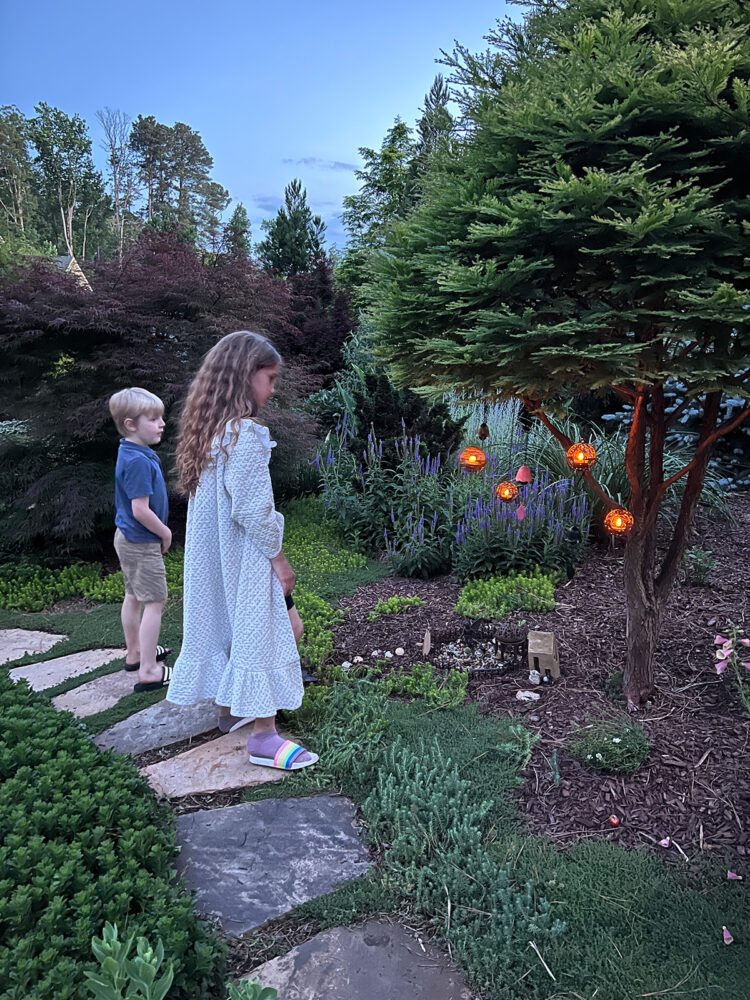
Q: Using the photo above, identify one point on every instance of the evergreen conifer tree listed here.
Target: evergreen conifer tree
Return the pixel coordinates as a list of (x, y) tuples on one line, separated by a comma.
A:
[(592, 233)]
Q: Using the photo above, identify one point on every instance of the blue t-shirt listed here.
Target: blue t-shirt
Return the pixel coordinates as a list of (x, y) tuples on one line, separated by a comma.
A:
[(138, 474)]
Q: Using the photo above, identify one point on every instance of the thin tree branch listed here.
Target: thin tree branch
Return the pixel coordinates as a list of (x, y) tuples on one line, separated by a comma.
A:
[(565, 441), (702, 445)]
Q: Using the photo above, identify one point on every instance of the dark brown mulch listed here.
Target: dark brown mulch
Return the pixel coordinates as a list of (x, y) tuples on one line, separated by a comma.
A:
[(173, 749), (695, 787)]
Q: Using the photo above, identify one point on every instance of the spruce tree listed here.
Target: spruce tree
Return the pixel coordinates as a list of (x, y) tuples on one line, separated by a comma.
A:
[(294, 241), (592, 233)]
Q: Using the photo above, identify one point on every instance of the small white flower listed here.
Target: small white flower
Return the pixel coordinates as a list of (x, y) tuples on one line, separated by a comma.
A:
[(388, 654), (588, 756), (598, 756), (617, 740)]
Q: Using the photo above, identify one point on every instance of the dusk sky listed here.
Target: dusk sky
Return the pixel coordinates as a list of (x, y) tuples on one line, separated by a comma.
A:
[(276, 91)]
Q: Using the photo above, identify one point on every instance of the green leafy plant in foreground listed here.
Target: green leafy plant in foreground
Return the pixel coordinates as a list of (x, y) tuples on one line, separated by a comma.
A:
[(616, 747), (698, 565), (394, 606), (122, 978), (423, 681), (499, 595)]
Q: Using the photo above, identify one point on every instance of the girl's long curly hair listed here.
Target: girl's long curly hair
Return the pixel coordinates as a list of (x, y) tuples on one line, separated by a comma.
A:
[(220, 392)]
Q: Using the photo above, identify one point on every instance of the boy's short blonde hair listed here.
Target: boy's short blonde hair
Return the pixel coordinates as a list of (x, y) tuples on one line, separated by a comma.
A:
[(129, 404)]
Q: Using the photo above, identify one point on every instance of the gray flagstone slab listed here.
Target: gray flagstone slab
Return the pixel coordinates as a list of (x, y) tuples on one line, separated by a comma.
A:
[(159, 725), (97, 695), (52, 672), (17, 642), (379, 959), (254, 861)]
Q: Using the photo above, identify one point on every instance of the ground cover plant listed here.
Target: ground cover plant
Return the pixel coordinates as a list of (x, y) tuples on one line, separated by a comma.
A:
[(394, 606), (85, 842), (608, 745), (499, 595)]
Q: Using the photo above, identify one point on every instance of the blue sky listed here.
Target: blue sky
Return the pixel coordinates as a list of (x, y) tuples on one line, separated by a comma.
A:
[(276, 91)]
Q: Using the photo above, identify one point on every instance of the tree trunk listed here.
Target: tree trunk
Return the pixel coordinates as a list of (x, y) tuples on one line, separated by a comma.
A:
[(644, 611)]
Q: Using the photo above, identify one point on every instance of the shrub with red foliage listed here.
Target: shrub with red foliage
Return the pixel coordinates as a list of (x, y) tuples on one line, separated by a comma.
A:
[(66, 349)]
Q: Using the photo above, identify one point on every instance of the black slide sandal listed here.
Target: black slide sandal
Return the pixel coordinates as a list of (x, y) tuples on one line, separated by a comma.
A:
[(155, 685), (162, 652)]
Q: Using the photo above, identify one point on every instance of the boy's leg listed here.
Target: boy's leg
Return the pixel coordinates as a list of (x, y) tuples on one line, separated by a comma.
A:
[(131, 623), (150, 670)]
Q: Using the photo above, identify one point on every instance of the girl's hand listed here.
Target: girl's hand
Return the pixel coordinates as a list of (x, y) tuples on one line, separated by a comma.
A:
[(284, 572)]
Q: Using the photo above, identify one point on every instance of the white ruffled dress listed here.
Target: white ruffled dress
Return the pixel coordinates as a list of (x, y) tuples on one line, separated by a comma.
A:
[(238, 647)]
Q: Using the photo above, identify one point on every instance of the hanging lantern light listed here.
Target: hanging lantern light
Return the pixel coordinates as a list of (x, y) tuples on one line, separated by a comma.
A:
[(524, 475), (507, 491), (472, 459), (580, 456), (619, 522), (483, 431)]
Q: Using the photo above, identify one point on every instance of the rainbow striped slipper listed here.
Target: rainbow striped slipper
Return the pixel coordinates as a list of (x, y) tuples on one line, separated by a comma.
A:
[(286, 757)]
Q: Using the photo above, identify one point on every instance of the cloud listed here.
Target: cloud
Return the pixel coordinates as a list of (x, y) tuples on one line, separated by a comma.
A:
[(316, 163), (268, 202)]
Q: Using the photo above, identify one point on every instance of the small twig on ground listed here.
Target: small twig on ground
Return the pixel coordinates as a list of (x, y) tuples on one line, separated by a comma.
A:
[(539, 956), (448, 923)]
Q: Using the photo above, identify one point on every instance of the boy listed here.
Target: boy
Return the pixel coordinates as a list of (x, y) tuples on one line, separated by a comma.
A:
[(142, 536)]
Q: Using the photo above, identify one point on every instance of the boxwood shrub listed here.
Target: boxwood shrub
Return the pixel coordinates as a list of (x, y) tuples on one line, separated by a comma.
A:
[(83, 842)]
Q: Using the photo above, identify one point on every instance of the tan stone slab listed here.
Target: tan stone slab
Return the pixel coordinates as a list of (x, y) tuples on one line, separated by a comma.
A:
[(97, 695), (218, 766), (17, 642), (46, 675)]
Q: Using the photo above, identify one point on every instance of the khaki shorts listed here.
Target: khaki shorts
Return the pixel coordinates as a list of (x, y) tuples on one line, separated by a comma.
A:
[(142, 569)]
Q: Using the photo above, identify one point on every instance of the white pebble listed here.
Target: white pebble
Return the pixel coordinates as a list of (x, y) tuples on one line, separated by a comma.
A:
[(345, 665), (388, 654), (399, 651), (357, 659)]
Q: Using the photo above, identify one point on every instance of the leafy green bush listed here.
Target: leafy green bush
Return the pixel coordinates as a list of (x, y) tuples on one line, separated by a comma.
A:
[(394, 606), (498, 596), (318, 617), (615, 747), (84, 842), (447, 688)]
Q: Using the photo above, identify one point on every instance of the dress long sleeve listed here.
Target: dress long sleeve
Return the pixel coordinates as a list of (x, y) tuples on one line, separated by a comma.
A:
[(248, 483)]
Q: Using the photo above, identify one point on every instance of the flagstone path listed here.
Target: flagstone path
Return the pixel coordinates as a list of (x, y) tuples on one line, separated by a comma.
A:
[(254, 861)]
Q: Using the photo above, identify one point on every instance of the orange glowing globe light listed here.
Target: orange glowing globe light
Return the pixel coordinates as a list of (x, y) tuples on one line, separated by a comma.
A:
[(472, 459), (507, 492), (580, 456), (619, 521)]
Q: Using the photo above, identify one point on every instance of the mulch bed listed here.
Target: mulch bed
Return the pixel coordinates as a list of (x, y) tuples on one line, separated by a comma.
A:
[(695, 787)]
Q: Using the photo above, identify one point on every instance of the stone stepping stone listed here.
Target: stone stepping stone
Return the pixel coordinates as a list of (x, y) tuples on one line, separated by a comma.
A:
[(46, 675), (254, 861), (97, 695), (158, 726), (378, 959), (219, 766), (17, 642)]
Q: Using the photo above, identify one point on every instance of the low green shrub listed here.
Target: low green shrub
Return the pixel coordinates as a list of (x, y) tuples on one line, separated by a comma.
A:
[(423, 681), (498, 596), (84, 842), (318, 617), (615, 747), (697, 564), (394, 606), (317, 551), (26, 587)]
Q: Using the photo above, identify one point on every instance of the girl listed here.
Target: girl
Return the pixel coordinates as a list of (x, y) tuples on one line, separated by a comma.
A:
[(238, 644)]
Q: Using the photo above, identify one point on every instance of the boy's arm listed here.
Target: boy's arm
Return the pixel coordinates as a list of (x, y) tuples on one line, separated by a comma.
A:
[(144, 515)]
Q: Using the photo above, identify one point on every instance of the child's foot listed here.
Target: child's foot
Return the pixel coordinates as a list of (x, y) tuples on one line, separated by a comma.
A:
[(162, 652), (272, 750), (229, 723)]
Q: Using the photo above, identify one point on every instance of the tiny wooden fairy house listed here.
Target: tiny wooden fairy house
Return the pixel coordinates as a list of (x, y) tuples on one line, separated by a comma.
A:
[(543, 655)]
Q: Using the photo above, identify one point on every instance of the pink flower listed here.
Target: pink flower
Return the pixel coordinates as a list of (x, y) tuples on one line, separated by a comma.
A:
[(524, 475), (745, 642), (746, 666), (727, 936), (722, 654), (721, 667), (719, 640), (666, 842), (521, 512), (734, 877)]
